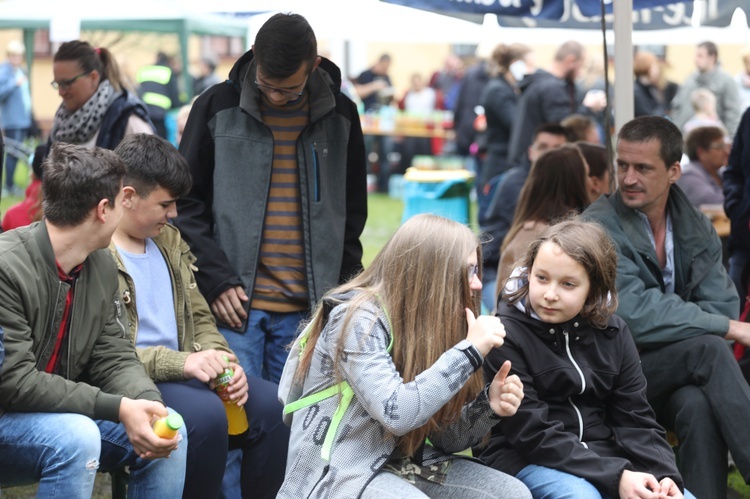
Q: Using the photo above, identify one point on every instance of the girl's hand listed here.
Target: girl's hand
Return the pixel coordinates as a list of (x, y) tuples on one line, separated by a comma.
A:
[(669, 489), (636, 485), (485, 332), (506, 392)]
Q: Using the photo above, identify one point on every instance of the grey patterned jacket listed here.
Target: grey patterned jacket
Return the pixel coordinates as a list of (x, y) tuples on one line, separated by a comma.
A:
[(383, 408)]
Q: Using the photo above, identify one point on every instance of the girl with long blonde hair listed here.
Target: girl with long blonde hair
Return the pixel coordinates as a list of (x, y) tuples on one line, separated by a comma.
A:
[(397, 350)]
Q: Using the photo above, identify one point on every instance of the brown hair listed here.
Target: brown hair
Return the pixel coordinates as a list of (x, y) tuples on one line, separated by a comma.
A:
[(587, 243), (504, 55), (90, 59), (555, 186), (578, 126), (597, 158), (420, 279), (701, 137), (642, 63)]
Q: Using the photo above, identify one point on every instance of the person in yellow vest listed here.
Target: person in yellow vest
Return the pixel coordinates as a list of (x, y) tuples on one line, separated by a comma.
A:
[(158, 88)]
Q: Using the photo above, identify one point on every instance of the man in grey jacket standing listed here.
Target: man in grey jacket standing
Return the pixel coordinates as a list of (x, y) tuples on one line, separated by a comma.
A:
[(279, 195), (680, 305), (709, 75), (74, 398)]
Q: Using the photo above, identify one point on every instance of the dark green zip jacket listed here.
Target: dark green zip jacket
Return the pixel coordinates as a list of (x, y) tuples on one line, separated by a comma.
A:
[(98, 363)]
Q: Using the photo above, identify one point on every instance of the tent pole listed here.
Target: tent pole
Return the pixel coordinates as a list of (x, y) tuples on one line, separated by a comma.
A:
[(187, 80), (28, 42), (623, 28)]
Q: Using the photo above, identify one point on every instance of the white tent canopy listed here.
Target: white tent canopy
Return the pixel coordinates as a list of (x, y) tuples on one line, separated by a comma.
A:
[(357, 20), (160, 16)]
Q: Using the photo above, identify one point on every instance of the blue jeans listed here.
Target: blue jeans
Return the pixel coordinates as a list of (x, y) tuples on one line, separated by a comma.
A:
[(489, 282), (262, 348), (64, 451), (738, 262), (548, 483), (17, 134)]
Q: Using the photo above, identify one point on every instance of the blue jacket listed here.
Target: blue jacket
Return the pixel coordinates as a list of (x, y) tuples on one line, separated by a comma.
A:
[(230, 154), (15, 110), (704, 299)]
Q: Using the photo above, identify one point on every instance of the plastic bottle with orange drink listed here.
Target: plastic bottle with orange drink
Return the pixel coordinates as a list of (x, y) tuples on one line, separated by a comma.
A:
[(236, 416), (168, 426)]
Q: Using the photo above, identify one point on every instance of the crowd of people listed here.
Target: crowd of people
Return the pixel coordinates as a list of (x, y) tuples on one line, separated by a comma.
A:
[(545, 355)]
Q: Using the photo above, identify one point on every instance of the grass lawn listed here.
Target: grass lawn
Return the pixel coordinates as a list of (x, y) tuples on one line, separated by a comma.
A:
[(383, 219)]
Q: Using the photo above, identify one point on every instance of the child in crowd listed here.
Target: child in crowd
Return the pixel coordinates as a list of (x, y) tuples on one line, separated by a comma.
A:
[(584, 428), (561, 178), (397, 350), (175, 334), (30, 209)]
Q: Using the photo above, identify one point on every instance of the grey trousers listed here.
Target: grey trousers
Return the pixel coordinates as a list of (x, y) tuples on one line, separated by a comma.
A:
[(697, 390), (465, 480)]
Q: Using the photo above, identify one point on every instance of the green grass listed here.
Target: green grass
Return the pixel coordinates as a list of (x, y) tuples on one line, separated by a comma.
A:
[(383, 218)]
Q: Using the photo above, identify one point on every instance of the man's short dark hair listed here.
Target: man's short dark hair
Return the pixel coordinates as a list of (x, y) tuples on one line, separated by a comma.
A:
[(552, 129), (648, 128), (154, 162), (76, 179), (701, 137), (283, 44)]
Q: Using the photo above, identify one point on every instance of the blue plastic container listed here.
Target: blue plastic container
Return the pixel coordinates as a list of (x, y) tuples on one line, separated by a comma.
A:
[(447, 198)]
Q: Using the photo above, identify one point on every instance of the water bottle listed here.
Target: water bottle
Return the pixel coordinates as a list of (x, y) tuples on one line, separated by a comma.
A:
[(236, 417)]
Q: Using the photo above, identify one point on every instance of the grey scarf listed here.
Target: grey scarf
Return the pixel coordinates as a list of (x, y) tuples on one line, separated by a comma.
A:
[(79, 126)]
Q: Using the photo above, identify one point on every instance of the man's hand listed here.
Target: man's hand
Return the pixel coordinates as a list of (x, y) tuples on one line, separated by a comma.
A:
[(137, 416), (228, 306), (739, 332), (506, 392), (206, 365)]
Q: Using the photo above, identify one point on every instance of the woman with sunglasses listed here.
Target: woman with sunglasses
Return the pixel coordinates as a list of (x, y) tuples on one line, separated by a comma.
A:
[(97, 109)]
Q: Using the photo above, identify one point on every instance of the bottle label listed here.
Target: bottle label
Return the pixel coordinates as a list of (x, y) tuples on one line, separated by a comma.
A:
[(222, 383)]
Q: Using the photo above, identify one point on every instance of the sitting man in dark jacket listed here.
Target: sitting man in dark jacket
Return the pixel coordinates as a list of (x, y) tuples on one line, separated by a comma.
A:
[(679, 304), (74, 397)]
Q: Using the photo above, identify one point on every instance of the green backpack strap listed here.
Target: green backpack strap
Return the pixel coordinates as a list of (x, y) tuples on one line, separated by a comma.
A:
[(343, 388)]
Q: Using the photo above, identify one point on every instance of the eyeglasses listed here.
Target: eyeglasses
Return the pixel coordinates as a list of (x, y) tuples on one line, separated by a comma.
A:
[(289, 94), (720, 145), (473, 270), (66, 84)]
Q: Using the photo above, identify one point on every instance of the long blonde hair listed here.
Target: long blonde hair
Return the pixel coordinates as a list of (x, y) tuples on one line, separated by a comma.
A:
[(420, 278)]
